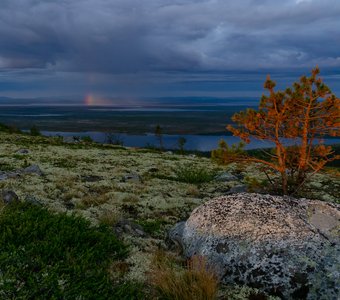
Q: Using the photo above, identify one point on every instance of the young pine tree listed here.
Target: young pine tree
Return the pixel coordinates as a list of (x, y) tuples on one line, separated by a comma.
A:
[(303, 114)]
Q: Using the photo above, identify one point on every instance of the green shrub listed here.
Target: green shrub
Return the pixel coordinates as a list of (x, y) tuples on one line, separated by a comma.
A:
[(86, 139), (191, 173), (226, 154), (34, 131), (9, 129), (4, 166), (55, 256), (152, 227)]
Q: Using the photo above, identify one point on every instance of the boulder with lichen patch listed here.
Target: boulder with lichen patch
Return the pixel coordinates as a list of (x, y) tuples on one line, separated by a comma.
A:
[(280, 245)]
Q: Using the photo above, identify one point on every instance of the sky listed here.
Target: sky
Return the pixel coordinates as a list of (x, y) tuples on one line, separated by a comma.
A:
[(98, 50)]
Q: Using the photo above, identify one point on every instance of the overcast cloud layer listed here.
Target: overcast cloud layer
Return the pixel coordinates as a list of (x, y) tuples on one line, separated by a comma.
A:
[(151, 46)]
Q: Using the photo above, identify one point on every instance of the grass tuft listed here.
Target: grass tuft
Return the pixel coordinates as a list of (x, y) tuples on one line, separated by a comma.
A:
[(196, 281), (191, 173)]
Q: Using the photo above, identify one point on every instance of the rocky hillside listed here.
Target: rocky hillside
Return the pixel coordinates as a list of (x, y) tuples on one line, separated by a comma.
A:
[(139, 193)]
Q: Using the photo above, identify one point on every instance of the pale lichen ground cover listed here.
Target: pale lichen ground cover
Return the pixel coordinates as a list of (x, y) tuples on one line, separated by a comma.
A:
[(63, 189), (108, 198)]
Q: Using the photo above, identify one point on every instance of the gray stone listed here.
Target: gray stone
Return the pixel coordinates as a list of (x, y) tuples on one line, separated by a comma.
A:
[(9, 174), (238, 189), (13, 174), (132, 177), (9, 197), (3, 176), (284, 246), (175, 234), (33, 169), (225, 177), (22, 151), (130, 228)]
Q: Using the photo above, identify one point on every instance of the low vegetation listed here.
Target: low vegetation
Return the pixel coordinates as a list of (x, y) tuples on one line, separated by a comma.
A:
[(54, 256), (191, 173), (195, 281)]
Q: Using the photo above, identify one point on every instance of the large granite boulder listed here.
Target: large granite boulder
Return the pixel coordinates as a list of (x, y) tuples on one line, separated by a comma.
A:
[(284, 246)]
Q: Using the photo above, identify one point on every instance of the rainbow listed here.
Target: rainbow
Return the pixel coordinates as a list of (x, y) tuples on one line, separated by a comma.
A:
[(92, 100)]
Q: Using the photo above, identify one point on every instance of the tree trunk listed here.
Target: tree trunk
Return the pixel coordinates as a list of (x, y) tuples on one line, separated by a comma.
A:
[(284, 183)]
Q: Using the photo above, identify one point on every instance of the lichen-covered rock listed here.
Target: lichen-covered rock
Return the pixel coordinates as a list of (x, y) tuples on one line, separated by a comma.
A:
[(225, 177), (287, 247), (33, 169)]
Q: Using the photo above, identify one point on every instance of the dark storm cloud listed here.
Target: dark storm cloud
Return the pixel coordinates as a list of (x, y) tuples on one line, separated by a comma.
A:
[(115, 37), (136, 48)]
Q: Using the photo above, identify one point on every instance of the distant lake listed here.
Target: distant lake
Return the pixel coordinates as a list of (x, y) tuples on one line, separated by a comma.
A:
[(193, 142), (174, 120)]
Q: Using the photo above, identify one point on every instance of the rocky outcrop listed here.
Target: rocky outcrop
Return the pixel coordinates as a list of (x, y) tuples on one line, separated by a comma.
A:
[(284, 246), (32, 169)]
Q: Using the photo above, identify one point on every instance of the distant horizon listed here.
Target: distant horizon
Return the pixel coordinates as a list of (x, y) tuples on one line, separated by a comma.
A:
[(124, 102)]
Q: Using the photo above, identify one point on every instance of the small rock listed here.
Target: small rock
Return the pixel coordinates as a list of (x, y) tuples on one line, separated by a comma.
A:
[(225, 176), (132, 177), (3, 176), (169, 152), (33, 169), (10, 174), (22, 151), (9, 197), (128, 227), (238, 189)]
